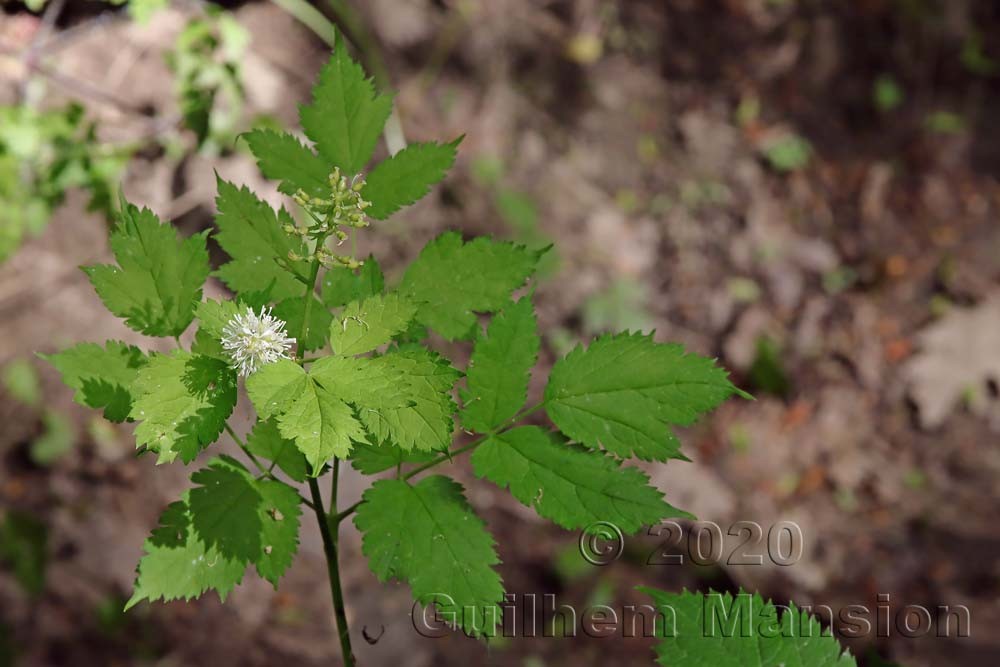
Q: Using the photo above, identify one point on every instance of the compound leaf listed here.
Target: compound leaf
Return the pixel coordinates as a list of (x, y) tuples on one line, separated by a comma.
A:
[(183, 401), (407, 176), (101, 376), (622, 392), (251, 234), (274, 386), (179, 565), (369, 459), (321, 425), (724, 631), (245, 519), (293, 311), (345, 117), (266, 441), (499, 370), (159, 276), (341, 286), (364, 325), (571, 485), (282, 157), (451, 281), (402, 397), (428, 535)]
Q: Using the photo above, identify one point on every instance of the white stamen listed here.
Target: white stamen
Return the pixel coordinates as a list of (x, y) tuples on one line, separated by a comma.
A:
[(255, 340)]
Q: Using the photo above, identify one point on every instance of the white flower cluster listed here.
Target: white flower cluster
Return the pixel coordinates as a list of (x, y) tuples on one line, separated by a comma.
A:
[(255, 340)]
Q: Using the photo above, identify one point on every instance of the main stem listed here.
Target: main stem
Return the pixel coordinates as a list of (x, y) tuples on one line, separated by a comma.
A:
[(329, 537), (332, 564)]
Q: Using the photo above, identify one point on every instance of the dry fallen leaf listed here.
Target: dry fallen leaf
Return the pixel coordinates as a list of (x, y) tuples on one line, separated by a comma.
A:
[(958, 359)]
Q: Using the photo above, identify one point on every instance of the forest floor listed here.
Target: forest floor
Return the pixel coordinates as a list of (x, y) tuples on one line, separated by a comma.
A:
[(807, 191)]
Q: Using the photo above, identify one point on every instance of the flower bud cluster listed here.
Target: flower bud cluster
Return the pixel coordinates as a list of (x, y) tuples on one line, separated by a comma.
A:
[(343, 207)]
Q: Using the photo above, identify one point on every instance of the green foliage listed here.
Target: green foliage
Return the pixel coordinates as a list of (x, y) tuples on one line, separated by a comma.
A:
[(101, 376), (253, 235), (55, 441), (427, 534), (402, 397), (343, 286), (370, 459), (500, 367), (182, 401), (205, 62), (282, 157), (887, 93), (724, 631), (788, 153), (20, 380), (43, 155), (569, 484), (451, 280), (407, 176), (246, 519), (24, 549), (621, 393), (179, 565), (370, 392), (267, 442), (365, 325), (767, 372), (159, 277), (345, 117)]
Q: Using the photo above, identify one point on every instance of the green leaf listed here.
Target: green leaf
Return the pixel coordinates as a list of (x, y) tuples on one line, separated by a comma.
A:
[(159, 276), (101, 376), (282, 157), (267, 442), (183, 401), (724, 631), (321, 425), (573, 486), (345, 117), (20, 380), (451, 281), (213, 316), (622, 392), (245, 519), (251, 233), (292, 311), (407, 176), (369, 459), (24, 550), (402, 397), (56, 441), (500, 367), (274, 386), (364, 325), (179, 565), (224, 509), (341, 286), (427, 535)]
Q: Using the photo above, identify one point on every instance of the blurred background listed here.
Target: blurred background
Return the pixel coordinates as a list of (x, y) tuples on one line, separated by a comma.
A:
[(806, 190)]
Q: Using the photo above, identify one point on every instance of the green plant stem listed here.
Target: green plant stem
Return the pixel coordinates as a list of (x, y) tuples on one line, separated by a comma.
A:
[(451, 454), (332, 562), (329, 537), (246, 450), (265, 472)]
